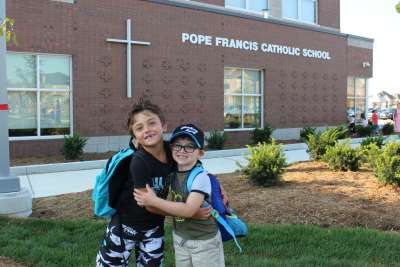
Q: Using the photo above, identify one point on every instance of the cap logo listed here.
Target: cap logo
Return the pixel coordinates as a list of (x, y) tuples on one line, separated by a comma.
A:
[(189, 129)]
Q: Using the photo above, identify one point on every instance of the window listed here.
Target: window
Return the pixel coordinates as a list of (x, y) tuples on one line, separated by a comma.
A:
[(303, 10), (39, 95), (243, 96), (356, 98), (252, 5)]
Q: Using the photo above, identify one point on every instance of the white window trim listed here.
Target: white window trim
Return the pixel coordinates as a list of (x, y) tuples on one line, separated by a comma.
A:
[(299, 17), (33, 138), (38, 90), (247, 4), (239, 129), (65, 1), (261, 95)]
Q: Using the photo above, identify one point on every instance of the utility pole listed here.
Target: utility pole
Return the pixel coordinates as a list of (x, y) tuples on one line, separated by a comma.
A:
[(14, 200)]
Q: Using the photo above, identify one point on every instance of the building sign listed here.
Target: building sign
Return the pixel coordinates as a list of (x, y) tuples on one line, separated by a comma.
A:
[(268, 48)]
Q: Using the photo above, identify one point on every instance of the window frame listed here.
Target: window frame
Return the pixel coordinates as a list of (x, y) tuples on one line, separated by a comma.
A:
[(38, 90), (261, 95), (354, 97), (299, 11), (247, 4)]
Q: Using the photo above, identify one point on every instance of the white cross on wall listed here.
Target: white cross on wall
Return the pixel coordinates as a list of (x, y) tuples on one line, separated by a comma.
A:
[(129, 42)]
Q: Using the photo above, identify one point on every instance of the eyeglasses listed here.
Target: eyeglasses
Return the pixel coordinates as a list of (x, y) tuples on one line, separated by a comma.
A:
[(189, 148)]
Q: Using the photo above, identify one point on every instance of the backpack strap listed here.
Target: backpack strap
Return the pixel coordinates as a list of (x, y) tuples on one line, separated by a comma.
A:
[(214, 213), (113, 162), (227, 227), (192, 175)]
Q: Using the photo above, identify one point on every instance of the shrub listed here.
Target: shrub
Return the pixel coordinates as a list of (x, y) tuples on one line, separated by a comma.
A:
[(369, 153), (388, 129), (387, 164), (343, 131), (262, 135), (73, 146), (216, 139), (342, 157), (266, 163), (320, 141), (364, 131), (305, 132), (378, 140)]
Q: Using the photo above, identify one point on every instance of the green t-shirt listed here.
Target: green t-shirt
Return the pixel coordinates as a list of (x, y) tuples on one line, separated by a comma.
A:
[(188, 228)]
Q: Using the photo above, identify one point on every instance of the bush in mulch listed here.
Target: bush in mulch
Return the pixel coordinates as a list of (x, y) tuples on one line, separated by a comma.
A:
[(266, 163), (388, 129), (342, 157), (305, 132), (263, 135), (73, 147), (387, 164), (216, 139), (319, 142)]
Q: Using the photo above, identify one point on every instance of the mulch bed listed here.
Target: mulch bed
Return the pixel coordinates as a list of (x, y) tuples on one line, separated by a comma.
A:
[(309, 193), (6, 262)]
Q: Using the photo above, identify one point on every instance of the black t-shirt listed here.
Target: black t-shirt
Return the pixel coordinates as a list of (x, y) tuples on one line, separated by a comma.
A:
[(145, 169)]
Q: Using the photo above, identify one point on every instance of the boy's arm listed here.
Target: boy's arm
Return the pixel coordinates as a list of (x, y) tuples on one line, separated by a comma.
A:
[(186, 210), (201, 214), (148, 208), (157, 211)]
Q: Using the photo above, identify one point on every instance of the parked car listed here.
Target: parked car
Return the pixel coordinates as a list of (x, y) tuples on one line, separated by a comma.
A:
[(387, 113)]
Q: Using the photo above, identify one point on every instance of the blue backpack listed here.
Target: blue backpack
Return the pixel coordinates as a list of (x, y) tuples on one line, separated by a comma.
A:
[(116, 170), (229, 224)]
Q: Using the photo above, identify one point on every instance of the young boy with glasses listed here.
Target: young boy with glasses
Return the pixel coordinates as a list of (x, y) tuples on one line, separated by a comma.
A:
[(196, 242)]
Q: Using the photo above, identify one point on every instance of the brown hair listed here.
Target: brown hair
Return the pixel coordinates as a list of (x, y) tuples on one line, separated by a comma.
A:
[(143, 105)]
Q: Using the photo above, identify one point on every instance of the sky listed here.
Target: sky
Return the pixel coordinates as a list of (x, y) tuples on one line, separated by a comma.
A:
[(380, 21)]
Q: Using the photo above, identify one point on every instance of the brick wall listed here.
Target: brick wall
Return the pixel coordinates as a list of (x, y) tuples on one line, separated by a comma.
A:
[(213, 2), (186, 80), (329, 13), (37, 148), (238, 138), (356, 57)]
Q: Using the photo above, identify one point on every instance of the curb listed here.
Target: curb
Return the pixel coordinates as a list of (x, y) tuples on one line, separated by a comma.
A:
[(58, 167), (99, 164)]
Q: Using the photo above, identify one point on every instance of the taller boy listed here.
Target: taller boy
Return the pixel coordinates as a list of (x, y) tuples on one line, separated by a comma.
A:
[(133, 227)]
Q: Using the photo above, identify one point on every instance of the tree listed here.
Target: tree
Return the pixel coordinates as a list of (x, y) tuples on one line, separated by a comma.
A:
[(7, 28), (398, 7)]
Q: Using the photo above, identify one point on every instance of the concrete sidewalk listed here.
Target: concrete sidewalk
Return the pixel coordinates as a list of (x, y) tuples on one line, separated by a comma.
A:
[(65, 178)]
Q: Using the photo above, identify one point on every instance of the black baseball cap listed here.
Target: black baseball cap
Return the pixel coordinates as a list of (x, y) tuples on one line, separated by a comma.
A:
[(191, 131)]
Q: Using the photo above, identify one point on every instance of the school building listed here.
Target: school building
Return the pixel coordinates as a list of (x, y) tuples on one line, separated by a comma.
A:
[(231, 65)]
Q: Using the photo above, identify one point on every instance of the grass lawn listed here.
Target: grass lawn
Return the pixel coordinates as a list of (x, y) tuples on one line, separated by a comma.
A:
[(44, 242)]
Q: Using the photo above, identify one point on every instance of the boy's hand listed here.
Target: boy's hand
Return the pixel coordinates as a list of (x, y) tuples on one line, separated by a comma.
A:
[(202, 214), (145, 197)]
